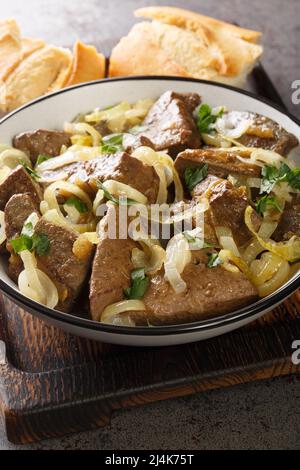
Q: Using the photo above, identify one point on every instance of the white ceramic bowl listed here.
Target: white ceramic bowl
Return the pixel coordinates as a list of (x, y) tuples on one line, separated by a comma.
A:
[(52, 111)]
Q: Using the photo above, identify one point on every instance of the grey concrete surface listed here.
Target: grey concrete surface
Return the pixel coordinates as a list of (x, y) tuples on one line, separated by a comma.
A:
[(253, 416)]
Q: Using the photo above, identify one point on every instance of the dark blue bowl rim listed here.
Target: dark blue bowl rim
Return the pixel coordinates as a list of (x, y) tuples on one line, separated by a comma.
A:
[(204, 325)]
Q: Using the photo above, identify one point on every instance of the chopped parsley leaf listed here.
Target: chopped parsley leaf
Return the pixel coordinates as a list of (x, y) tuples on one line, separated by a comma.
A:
[(30, 171), (213, 260), (206, 118), (139, 284), (193, 176), (39, 243), (113, 199), (266, 201), (41, 158), (77, 203), (272, 175), (196, 242), (112, 143)]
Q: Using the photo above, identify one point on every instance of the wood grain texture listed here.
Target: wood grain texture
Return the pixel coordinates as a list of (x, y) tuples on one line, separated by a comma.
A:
[(52, 383)]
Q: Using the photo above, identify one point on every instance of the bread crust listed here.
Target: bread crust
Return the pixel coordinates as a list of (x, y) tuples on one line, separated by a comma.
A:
[(191, 20), (42, 71), (139, 54), (88, 64), (182, 43), (10, 46)]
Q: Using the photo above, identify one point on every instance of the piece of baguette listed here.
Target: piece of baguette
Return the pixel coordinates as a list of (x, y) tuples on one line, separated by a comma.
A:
[(42, 71), (10, 46), (88, 64), (194, 21), (183, 43)]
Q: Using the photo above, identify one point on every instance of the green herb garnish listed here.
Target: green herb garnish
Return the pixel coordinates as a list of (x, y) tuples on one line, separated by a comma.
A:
[(213, 260), (206, 117), (266, 201), (139, 284), (34, 175), (272, 175), (135, 130), (41, 159), (39, 243), (193, 176), (77, 203), (112, 143), (28, 229), (118, 201), (21, 243), (196, 242)]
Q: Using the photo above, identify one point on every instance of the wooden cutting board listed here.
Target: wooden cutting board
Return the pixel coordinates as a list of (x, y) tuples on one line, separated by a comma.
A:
[(52, 383)]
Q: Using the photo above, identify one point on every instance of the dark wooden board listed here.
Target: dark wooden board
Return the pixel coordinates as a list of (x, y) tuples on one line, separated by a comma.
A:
[(52, 383)]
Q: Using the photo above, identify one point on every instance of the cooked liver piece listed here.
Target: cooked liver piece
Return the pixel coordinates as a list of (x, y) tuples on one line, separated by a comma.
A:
[(227, 205), (289, 224), (119, 166), (220, 163), (61, 265), (282, 141), (170, 124), (18, 182), (209, 292), (16, 211), (41, 141), (111, 271)]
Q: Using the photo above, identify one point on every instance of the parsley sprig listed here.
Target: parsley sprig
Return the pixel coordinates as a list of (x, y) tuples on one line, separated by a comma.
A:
[(272, 175), (34, 175), (77, 203), (112, 143), (213, 260), (115, 200), (262, 204), (196, 243), (28, 240), (41, 159), (193, 176), (139, 284), (206, 118)]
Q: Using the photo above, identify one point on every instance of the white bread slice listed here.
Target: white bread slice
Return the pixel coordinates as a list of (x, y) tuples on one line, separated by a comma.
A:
[(88, 64), (139, 53), (42, 71), (194, 21), (10, 46), (30, 45), (185, 46)]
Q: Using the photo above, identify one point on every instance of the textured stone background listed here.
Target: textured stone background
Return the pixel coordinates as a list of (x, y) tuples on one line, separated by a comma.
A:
[(259, 415)]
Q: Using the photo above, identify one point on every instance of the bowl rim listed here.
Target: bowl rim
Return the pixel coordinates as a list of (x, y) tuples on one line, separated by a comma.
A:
[(165, 330)]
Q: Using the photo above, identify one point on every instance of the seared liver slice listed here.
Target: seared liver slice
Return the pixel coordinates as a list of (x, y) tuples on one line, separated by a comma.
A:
[(119, 166), (18, 182), (289, 223), (170, 124), (209, 292), (61, 265), (111, 271), (282, 141), (16, 211), (220, 163), (227, 205), (42, 142)]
